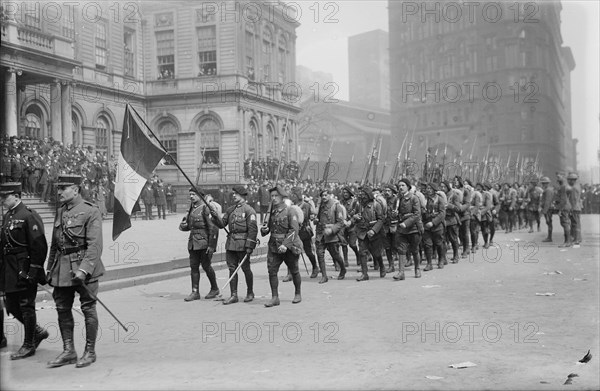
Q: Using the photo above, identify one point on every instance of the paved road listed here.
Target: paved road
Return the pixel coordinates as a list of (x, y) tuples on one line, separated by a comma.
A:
[(379, 334)]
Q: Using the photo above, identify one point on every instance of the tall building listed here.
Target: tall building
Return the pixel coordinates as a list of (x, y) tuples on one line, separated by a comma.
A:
[(315, 85), (369, 69), (210, 78), (487, 74)]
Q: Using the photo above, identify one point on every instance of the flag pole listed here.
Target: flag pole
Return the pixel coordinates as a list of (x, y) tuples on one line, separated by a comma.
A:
[(175, 162)]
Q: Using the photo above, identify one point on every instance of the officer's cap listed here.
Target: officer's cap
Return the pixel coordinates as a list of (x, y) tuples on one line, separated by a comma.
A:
[(280, 190), (195, 189), (241, 190), (572, 175), (10, 188), (69, 179), (545, 179)]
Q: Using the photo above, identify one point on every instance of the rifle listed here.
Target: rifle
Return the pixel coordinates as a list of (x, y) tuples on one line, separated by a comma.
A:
[(305, 166), (270, 210), (349, 167), (371, 158), (326, 170), (377, 161), (200, 166)]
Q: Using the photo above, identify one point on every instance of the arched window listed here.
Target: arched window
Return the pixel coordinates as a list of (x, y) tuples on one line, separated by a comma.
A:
[(75, 129), (283, 59), (267, 49), (210, 139), (167, 133), (32, 126), (271, 146), (102, 129), (249, 43), (252, 138)]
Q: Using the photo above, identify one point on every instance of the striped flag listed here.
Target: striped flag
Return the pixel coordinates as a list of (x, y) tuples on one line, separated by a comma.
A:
[(138, 157)]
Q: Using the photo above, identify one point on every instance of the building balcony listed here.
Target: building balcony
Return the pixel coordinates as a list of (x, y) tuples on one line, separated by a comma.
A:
[(27, 38)]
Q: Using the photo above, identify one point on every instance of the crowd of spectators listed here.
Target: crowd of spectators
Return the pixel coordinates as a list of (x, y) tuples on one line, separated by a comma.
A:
[(261, 169)]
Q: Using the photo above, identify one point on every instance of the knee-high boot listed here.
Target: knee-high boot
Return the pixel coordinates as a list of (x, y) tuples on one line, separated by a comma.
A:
[(69, 355)]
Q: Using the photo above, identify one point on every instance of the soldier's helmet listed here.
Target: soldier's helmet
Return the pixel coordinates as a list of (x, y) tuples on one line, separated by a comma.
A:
[(572, 175), (545, 179)]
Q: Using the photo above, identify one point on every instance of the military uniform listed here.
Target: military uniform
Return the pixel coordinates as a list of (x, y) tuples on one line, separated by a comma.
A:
[(575, 200), (410, 231), (329, 217), (23, 252), (369, 217), (241, 241), (485, 211), (508, 202), (475, 224), (532, 199), (452, 219), (433, 237), (563, 205), (390, 226), (349, 232), (202, 242), (76, 247), (546, 205), (284, 227), (464, 213), (306, 233)]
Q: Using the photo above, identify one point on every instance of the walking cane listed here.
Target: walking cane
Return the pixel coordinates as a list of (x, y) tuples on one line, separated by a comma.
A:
[(101, 303), (304, 260), (235, 272)]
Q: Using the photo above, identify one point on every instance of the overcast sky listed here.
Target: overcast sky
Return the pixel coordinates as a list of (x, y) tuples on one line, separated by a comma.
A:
[(322, 45)]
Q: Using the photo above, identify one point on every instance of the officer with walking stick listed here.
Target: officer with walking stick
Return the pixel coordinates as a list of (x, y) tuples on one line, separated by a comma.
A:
[(74, 266)]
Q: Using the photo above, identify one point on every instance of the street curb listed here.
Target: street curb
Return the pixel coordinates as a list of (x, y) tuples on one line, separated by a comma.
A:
[(127, 277)]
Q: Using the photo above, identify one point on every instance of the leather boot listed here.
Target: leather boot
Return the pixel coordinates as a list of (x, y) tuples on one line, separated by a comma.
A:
[(417, 269), (323, 270), (547, 240), (390, 268), (429, 258), (28, 347), (212, 294), (232, 299), (365, 273), (89, 355), (40, 335), (315, 272), (195, 295), (91, 331), (274, 302), (297, 288), (69, 355), (287, 278), (401, 265), (249, 297), (342, 269)]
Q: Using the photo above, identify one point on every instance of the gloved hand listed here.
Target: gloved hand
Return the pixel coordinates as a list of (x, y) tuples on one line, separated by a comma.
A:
[(282, 249), (370, 233), (249, 250), (79, 277), (210, 251), (264, 230)]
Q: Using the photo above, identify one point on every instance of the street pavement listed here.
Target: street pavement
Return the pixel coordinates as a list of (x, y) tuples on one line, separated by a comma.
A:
[(524, 313)]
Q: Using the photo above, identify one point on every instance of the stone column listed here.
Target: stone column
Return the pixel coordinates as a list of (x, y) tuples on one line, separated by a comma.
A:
[(55, 110), (10, 103), (65, 106)]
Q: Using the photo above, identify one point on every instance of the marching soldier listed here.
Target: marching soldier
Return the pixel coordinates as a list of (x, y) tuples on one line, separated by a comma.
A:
[(390, 225), (23, 252), (532, 199), (475, 225), (575, 200), (368, 219), (508, 202), (409, 228), (485, 211), (74, 261), (434, 216), (284, 245), (241, 242), (202, 243), (546, 205), (350, 203), (563, 205), (306, 233), (330, 222), (495, 191), (452, 220), (464, 215)]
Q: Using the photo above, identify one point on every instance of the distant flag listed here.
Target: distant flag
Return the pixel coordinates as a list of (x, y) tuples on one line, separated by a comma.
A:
[(138, 157)]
